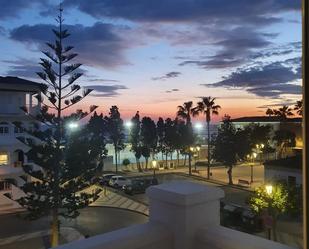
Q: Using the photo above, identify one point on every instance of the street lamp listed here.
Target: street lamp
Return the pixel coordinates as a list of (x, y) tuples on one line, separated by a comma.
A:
[(198, 148), (73, 125), (191, 149), (251, 158), (198, 126), (269, 191), (154, 167), (128, 124), (259, 148)]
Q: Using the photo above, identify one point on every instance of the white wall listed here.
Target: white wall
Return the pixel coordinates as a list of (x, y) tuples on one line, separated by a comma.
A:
[(281, 174), (182, 216)]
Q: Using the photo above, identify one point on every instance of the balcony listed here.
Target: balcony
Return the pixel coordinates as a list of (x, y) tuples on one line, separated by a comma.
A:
[(10, 171), (182, 216), (14, 110)]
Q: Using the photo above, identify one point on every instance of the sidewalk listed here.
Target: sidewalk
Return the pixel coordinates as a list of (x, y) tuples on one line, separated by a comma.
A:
[(68, 234), (109, 198), (219, 174)]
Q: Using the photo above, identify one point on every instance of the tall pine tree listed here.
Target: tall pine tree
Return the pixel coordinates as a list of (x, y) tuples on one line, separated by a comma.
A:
[(55, 190)]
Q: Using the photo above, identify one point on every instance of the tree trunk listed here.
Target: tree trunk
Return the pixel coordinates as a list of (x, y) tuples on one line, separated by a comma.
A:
[(185, 160), (138, 164), (146, 159), (190, 169), (208, 151), (229, 172), (55, 229), (166, 154), (116, 161), (177, 158), (275, 228)]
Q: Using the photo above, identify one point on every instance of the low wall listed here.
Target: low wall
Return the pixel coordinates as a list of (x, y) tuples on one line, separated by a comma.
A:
[(183, 215), (146, 236), (224, 238)]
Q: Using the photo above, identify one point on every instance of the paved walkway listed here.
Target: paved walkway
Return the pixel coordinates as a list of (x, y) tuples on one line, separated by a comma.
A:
[(68, 233), (110, 198), (219, 173)]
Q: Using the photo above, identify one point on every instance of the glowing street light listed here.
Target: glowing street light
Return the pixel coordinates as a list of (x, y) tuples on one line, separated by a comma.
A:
[(269, 189), (128, 124), (154, 166), (73, 125), (198, 126), (252, 157)]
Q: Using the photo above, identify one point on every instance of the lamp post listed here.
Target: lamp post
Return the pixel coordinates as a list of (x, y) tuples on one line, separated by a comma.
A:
[(154, 167), (190, 159), (259, 148), (251, 160), (198, 148), (269, 221)]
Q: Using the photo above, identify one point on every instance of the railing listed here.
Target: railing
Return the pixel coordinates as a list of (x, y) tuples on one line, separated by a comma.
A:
[(182, 216)]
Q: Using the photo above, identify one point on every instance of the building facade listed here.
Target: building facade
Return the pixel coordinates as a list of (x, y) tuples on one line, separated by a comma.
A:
[(15, 93)]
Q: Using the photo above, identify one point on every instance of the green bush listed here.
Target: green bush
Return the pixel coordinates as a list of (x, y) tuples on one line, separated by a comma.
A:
[(126, 162)]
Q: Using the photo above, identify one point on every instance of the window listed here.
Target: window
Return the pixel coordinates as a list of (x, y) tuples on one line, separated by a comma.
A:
[(291, 180), (4, 158), (18, 130), (4, 185), (4, 128)]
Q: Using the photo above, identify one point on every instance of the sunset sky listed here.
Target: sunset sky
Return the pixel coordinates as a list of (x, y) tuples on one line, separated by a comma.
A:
[(153, 55)]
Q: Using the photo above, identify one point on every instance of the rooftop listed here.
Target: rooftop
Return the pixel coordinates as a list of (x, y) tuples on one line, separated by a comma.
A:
[(10, 83), (294, 162), (271, 119)]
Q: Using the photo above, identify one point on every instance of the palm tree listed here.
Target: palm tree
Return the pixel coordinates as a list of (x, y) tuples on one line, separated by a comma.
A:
[(185, 111), (269, 112), (299, 107), (284, 112), (207, 107)]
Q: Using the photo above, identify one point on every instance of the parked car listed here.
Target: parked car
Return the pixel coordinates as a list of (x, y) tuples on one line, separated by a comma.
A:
[(118, 181), (139, 186), (104, 180), (240, 218)]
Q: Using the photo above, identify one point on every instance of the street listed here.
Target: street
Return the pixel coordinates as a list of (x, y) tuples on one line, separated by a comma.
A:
[(92, 221)]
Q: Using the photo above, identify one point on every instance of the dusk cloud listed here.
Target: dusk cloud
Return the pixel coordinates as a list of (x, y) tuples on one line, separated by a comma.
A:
[(27, 68), (269, 80), (256, 11), (234, 48), (106, 90), (21, 67), (11, 9), (98, 45), (172, 90), (167, 76)]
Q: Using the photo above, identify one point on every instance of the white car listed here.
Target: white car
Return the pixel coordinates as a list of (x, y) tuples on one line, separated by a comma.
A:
[(118, 181)]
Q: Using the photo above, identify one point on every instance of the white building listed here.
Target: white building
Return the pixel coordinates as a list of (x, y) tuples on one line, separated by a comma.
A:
[(14, 94), (286, 169)]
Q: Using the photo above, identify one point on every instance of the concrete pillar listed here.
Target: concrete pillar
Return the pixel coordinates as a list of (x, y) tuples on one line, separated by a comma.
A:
[(184, 208)]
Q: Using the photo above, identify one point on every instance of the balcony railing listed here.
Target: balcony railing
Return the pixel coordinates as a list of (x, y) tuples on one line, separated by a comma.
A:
[(182, 216)]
